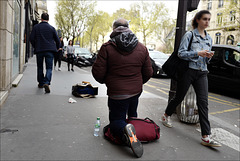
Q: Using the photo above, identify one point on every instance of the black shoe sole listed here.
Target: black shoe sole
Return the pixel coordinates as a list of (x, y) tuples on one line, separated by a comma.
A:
[(46, 87), (134, 143)]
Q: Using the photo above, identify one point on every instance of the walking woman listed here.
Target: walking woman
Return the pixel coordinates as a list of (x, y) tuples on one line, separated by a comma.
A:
[(70, 55), (58, 56), (198, 57)]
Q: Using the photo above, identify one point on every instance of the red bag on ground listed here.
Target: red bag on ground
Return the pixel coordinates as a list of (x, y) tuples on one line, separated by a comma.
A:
[(109, 136), (146, 130)]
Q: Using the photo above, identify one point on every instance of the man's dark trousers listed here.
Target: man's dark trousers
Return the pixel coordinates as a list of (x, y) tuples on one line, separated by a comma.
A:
[(118, 109), (48, 56)]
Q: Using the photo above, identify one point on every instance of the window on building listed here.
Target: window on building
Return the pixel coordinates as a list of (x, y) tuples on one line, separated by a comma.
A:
[(16, 39), (209, 5), (220, 3), (219, 18), (232, 16), (218, 36)]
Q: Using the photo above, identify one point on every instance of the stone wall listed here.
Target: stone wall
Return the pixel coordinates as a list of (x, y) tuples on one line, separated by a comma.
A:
[(6, 43)]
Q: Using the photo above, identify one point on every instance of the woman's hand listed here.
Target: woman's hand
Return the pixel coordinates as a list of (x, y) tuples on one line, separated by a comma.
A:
[(210, 54), (203, 53)]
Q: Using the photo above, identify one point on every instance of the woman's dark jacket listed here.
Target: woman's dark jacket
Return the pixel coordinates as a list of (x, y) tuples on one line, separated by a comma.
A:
[(61, 45)]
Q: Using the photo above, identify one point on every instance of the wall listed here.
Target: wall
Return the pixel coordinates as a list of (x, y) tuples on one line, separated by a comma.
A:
[(6, 43), (223, 28)]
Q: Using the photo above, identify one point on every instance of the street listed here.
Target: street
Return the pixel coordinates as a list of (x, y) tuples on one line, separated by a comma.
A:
[(222, 107), (50, 128)]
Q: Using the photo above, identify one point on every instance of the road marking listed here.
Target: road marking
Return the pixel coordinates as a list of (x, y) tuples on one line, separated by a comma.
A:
[(147, 92), (157, 88), (163, 83), (237, 104), (222, 103), (225, 137), (213, 118), (214, 94), (156, 96), (149, 85), (167, 89), (214, 99), (229, 110), (163, 91), (219, 134)]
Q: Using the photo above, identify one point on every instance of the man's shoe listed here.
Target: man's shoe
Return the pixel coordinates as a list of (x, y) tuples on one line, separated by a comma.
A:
[(40, 86), (72, 70), (209, 142), (132, 141), (59, 69), (166, 121), (47, 89)]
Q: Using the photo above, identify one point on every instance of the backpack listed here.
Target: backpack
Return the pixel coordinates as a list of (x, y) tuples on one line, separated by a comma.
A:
[(175, 67)]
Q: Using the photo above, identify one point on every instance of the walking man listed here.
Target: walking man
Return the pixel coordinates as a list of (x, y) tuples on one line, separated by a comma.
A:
[(124, 65), (45, 41)]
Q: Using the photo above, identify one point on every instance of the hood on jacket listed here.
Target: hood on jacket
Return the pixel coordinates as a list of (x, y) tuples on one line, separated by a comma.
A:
[(124, 39)]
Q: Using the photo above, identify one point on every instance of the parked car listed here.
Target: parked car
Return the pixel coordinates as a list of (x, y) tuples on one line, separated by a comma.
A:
[(83, 57), (224, 70), (158, 59)]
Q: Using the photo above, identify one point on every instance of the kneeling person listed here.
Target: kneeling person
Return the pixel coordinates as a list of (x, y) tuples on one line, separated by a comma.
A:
[(124, 65)]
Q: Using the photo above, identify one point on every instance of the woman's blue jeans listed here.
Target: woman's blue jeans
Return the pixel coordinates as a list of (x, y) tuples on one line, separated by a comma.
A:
[(48, 56)]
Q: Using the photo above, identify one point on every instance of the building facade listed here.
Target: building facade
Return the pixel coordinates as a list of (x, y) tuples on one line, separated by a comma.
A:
[(16, 20), (42, 8), (225, 20)]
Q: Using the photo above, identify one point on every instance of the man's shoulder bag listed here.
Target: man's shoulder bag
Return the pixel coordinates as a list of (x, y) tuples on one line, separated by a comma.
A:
[(175, 67)]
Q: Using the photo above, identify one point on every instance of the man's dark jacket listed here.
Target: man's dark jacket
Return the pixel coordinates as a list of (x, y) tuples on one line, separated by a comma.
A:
[(44, 38), (123, 64)]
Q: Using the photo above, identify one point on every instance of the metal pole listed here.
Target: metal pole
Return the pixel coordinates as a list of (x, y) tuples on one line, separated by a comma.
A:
[(180, 31)]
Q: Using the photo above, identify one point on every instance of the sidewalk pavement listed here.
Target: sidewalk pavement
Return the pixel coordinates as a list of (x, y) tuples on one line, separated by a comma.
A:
[(50, 128)]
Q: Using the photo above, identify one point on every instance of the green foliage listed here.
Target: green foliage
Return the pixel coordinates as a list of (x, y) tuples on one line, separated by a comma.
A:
[(72, 15), (147, 20), (152, 17), (78, 19), (99, 25), (230, 14)]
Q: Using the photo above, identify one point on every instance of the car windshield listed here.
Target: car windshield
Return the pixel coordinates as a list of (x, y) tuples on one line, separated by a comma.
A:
[(157, 55)]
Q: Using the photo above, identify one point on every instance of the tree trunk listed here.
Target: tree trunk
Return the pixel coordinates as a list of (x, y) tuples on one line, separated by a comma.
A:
[(144, 40), (82, 40), (103, 39)]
